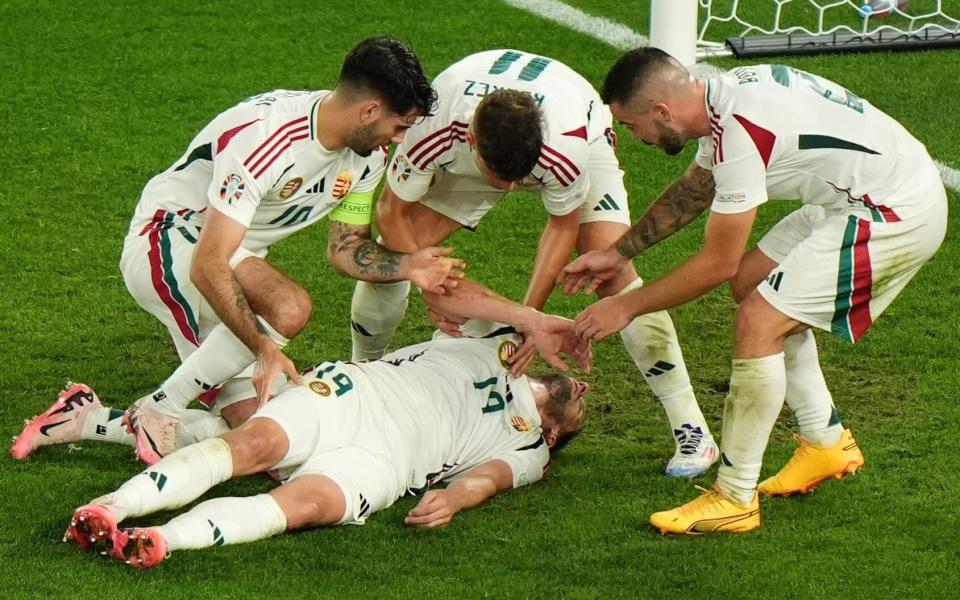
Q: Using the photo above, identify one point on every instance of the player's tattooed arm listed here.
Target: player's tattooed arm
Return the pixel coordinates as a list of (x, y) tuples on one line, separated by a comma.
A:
[(682, 202), (352, 251)]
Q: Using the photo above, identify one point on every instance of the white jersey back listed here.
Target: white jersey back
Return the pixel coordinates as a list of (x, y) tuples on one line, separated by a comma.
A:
[(781, 133), (571, 109), (261, 164), (450, 405)]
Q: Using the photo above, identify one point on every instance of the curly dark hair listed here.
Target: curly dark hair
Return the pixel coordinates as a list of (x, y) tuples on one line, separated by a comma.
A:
[(629, 74), (387, 67), (508, 126)]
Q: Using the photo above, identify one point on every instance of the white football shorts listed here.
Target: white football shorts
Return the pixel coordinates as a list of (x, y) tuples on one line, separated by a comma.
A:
[(340, 438), (155, 264), (839, 271)]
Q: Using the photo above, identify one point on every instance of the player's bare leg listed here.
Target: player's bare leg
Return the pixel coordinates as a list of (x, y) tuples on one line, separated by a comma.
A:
[(652, 342), (283, 308), (826, 450), (377, 308)]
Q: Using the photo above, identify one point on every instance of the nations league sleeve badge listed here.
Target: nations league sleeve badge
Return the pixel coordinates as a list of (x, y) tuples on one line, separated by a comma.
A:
[(232, 188)]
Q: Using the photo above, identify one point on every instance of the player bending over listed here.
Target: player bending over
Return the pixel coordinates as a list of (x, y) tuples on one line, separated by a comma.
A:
[(194, 254), (350, 440), (874, 211), (508, 120)]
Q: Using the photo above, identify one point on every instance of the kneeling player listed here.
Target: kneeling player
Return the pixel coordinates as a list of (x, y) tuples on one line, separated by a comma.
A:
[(350, 441)]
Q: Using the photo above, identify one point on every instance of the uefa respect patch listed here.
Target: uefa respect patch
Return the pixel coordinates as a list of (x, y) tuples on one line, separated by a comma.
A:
[(232, 188)]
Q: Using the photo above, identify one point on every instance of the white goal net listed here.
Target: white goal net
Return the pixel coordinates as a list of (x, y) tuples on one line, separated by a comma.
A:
[(766, 27)]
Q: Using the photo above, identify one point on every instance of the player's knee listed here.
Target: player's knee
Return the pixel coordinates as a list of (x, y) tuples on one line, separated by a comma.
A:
[(291, 313), (255, 446)]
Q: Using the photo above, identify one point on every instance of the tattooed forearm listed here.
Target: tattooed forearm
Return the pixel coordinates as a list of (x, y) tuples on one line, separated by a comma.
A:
[(370, 256), (682, 202), (352, 251)]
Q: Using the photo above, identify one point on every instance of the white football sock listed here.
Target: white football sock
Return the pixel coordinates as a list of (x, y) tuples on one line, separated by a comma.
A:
[(198, 425), (757, 388), (175, 480), (225, 521), (652, 342), (807, 393), (220, 356), (375, 313), (106, 425)]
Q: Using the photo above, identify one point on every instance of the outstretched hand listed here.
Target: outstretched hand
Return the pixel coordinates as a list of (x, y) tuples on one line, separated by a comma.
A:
[(435, 509), (603, 318), (271, 361), (433, 269), (591, 270), (551, 335)]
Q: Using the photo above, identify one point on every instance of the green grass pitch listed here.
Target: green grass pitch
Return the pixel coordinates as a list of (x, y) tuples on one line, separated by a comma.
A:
[(97, 97)]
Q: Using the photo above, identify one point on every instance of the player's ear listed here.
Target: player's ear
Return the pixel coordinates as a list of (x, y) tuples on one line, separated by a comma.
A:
[(663, 111), (551, 436), (370, 110), (471, 138)]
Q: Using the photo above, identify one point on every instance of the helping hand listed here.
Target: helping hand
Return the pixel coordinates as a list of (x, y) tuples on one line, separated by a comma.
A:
[(271, 361), (591, 270), (603, 318), (551, 335), (431, 269)]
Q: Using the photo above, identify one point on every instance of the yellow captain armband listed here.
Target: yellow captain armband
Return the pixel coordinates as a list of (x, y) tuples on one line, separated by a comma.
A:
[(355, 209)]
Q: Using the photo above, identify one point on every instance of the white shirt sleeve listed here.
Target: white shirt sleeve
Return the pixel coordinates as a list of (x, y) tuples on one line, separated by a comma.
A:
[(567, 181), (704, 157), (527, 465), (409, 183), (740, 175), (233, 190)]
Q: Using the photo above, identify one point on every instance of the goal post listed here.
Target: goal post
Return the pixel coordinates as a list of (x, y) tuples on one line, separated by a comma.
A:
[(753, 28)]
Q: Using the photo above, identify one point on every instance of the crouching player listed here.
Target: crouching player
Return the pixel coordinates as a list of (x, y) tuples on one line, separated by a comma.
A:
[(351, 440)]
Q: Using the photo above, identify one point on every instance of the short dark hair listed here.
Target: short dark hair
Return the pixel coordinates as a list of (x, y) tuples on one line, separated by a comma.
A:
[(384, 65), (508, 125), (630, 73)]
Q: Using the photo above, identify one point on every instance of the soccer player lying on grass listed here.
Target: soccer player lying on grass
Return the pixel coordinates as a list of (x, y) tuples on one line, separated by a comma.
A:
[(353, 438)]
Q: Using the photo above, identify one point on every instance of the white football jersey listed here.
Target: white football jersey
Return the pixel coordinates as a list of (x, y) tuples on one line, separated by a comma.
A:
[(570, 108), (451, 405), (780, 133), (261, 164)]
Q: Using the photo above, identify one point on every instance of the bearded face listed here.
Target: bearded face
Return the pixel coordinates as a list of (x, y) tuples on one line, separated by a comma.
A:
[(670, 141)]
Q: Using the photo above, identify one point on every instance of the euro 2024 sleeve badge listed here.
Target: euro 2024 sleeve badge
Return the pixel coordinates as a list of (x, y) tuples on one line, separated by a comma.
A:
[(232, 188)]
